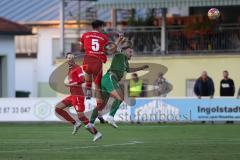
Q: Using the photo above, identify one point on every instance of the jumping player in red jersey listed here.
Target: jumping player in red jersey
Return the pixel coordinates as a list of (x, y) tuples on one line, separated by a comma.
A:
[(76, 99), (94, 43)]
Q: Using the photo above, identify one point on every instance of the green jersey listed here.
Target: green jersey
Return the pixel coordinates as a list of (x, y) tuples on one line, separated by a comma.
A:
[(119, 65)]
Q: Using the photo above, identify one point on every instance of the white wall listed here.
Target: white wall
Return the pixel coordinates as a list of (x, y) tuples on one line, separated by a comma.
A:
[(45, 58), (7, 49), (26, 75)]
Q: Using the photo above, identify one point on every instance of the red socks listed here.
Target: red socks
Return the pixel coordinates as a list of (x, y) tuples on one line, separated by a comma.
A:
[(84, 120), (65, 115), (90, 128)]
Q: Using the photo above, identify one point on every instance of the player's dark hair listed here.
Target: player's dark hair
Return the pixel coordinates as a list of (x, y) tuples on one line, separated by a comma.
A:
[(68, 54), (97, 23), (225, 71), (124, 49)]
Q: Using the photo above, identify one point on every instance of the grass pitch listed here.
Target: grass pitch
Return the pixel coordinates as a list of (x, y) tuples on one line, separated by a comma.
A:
[(128, 142)]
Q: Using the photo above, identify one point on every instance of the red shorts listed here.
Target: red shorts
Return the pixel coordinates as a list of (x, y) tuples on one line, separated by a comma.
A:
[(76, 101), (93, 66)]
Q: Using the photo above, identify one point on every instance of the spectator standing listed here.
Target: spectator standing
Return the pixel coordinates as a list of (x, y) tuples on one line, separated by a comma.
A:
[(204, 86), (136, 86), (227, 87)]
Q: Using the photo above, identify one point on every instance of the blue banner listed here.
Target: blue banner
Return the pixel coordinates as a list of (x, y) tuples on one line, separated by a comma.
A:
[(185, 109)]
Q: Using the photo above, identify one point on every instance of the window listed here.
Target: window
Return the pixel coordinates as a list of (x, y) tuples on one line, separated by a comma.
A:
[(56, 48), (70, 46), (189, 87), (26, 45)]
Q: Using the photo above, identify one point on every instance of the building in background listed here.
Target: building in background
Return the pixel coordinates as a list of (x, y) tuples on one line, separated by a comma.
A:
[(8, 30), (38, 54)]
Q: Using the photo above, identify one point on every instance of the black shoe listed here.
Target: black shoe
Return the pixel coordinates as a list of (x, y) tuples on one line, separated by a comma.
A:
[(101, 120), (88, 94), (88, 97)]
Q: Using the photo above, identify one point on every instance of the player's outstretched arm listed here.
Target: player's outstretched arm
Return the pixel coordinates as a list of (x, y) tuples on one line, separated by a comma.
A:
[(138, 68), (120, 39), (112, 47)]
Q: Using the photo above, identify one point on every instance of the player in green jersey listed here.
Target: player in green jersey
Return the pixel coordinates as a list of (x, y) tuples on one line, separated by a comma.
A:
[(110, 82)]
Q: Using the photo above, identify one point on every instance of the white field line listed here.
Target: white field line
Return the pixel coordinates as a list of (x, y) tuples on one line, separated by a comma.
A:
[(70, 148)]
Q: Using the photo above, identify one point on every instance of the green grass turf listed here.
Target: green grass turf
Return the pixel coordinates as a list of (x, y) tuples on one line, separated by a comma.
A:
[(159, 142)]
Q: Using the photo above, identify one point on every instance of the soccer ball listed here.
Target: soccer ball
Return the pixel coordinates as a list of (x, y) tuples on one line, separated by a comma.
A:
[(213, 13)]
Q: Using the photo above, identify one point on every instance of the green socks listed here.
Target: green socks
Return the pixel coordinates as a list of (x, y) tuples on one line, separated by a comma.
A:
[(115, 107), (94, 115)]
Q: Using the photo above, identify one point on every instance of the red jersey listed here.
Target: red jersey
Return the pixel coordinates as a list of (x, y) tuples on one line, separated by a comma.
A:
[(75, 74), (93, 43)]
